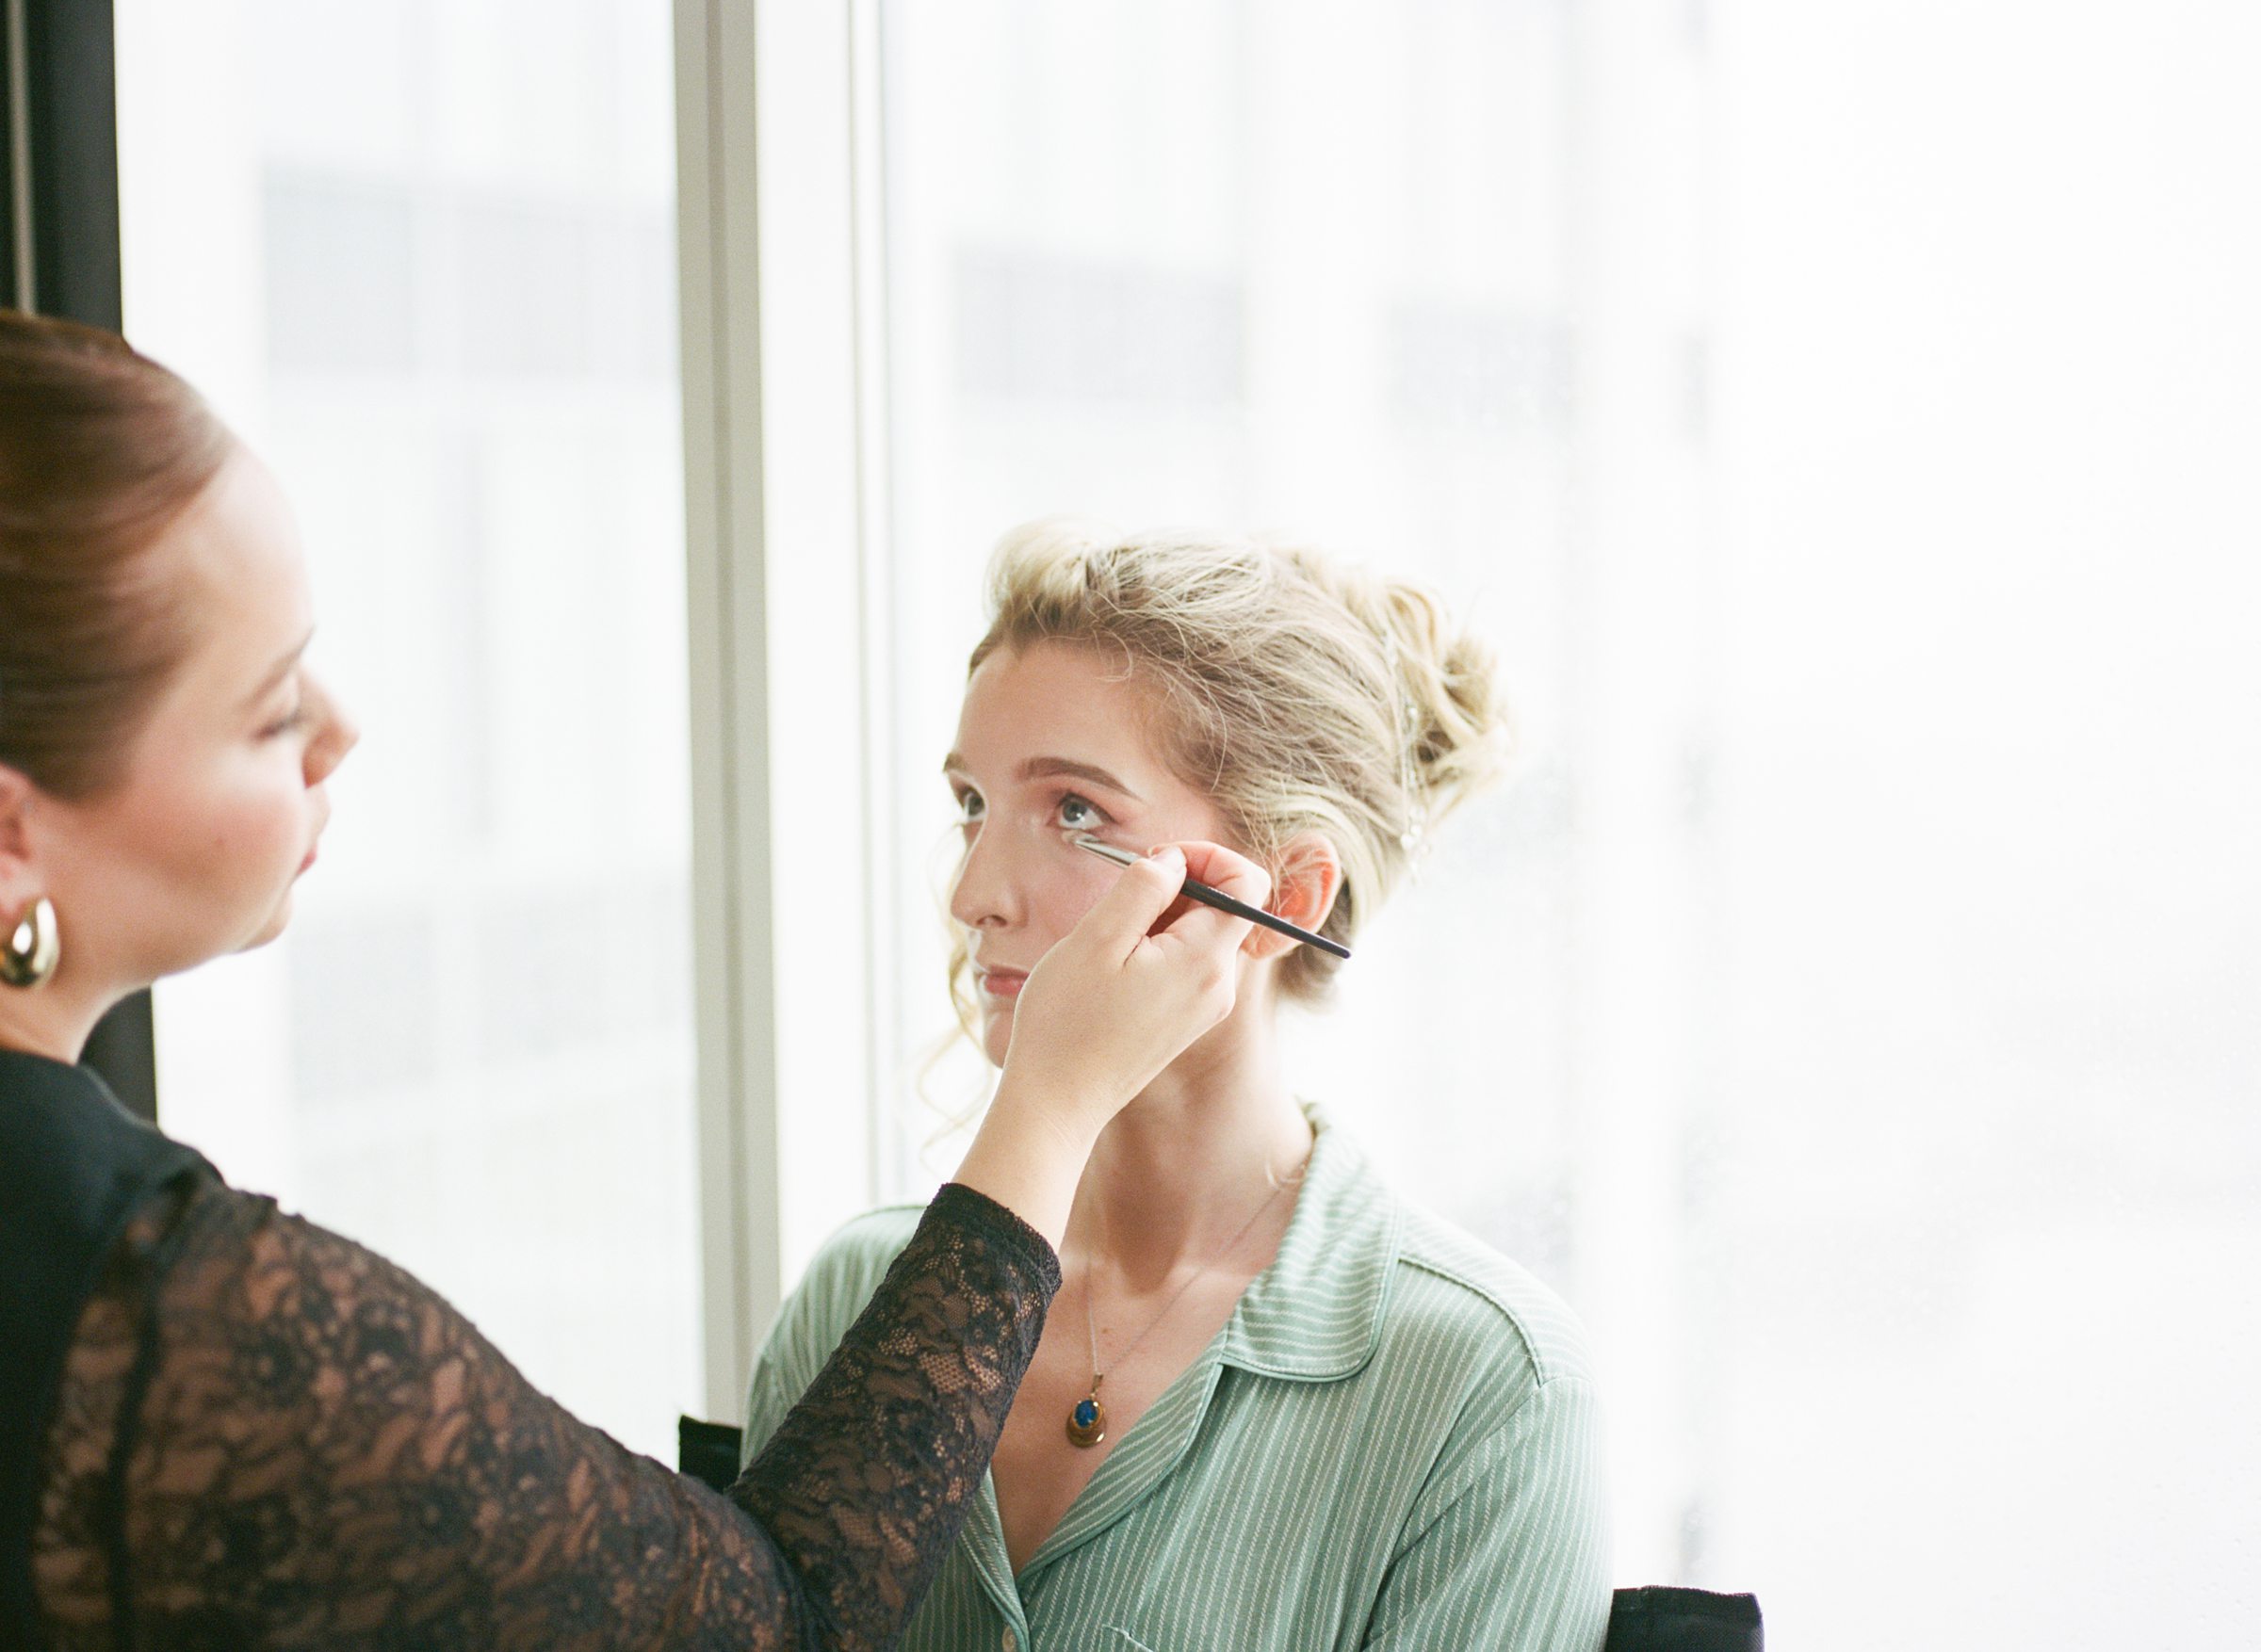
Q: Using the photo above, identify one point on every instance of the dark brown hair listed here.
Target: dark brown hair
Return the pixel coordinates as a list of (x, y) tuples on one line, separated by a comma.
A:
[(100, 449)]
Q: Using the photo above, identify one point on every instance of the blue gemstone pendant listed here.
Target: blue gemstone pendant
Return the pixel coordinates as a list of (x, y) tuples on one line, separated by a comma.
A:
[(1087, 1422)]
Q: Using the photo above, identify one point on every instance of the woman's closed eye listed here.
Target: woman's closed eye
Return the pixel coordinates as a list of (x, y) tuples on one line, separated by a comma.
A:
[(289, 722)]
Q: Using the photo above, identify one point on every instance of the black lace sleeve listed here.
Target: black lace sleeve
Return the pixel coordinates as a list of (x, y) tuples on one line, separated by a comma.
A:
[(269, 1437), (910, 1398)]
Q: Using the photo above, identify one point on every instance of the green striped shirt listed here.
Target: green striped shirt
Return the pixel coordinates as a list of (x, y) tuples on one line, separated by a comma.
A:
[(1391, 1444)]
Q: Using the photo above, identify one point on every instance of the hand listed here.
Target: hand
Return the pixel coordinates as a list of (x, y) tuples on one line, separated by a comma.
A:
[(1123, 992), (1110, 1006)]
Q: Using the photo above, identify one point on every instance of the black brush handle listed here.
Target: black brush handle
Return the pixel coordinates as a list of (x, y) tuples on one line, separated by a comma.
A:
[(1197, 890), (1194, 889)]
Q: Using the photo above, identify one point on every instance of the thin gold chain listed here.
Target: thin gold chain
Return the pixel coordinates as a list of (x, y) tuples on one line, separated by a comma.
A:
[(1091, 1324)]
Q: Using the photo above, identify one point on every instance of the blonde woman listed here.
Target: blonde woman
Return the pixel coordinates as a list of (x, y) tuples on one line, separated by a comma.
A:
[(1274, 1407)]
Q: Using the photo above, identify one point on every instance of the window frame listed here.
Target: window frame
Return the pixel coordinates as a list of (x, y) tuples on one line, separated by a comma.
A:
[(58, 226), (784, 468)]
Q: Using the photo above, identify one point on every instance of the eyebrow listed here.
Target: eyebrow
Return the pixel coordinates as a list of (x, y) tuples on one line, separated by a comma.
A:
[(281, 669), (1054, 768)]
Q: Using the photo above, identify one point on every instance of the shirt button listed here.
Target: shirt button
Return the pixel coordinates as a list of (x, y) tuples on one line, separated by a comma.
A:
[(1012, 1642)]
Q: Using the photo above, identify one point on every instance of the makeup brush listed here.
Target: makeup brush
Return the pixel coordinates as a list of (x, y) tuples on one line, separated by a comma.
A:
[(1196, 890)]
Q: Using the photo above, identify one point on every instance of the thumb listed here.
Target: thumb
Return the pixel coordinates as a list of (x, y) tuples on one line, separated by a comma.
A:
[(1123, 914)]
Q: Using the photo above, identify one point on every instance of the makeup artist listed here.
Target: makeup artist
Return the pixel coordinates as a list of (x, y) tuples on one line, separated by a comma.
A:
[(220, 1425)]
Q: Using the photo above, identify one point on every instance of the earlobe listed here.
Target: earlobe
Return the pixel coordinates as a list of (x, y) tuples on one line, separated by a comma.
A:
[(28, 936)]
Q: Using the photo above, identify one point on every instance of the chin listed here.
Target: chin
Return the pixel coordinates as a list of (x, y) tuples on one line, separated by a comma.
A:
[(276, 923), (997, 1037)]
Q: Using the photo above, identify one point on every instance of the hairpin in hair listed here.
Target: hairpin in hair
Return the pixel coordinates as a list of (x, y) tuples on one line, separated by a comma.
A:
[(1406, 715)]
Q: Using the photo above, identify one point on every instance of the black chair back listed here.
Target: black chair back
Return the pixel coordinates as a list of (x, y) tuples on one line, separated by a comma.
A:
[(707, 1452), (1658, 1619)]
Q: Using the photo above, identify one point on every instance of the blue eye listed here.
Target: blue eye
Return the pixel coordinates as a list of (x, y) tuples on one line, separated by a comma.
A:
[(1080, 813)]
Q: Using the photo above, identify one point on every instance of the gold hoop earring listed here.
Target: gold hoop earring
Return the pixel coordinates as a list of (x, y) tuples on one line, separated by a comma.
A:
[(33, 947)]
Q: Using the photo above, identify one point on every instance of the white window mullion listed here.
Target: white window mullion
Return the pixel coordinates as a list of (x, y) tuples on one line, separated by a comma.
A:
[(777, 351)]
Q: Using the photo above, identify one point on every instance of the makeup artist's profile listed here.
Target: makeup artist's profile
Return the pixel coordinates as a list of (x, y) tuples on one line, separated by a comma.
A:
[(222, 1426), (1278, 1407)]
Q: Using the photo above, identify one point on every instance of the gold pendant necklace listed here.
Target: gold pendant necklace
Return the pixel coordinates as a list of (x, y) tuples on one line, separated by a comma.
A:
[(1087, 1420), (1087, 1417)]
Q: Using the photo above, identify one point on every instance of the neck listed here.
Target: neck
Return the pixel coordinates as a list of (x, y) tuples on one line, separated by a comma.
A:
[(55, 1020), (1183, 1168)]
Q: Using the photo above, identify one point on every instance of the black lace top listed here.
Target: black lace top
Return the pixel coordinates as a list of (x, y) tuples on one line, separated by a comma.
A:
[(265, 1436)]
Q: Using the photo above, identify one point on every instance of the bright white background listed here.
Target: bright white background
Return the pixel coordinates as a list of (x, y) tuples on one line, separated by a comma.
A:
[(1990, 391), (1841, 417), (421, 253)]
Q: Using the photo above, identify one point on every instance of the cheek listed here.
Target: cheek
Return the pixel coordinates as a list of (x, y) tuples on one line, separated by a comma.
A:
[(1066, 887), (1056, 892), (261, 820), (1048, 883), (195, 857), (241, 837)]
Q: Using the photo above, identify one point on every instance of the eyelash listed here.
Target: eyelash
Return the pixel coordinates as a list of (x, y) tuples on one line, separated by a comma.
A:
[(968, 799), (289, 724), (1067, 798)]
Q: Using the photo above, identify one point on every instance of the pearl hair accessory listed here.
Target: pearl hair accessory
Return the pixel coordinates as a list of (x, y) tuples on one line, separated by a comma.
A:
[(1416, 814), (1406, 715)]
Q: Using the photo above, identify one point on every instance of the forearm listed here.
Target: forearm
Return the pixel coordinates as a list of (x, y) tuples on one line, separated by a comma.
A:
[(321, 1453), (866, 1483), (1029, 1156)]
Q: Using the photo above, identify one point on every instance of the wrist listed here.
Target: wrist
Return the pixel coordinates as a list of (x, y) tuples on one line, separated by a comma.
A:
[(1049, 1117), (1028, 1155)]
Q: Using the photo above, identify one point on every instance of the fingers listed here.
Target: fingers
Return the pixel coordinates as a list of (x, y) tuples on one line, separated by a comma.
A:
[(1123, 916), (1128, 912), (1229, 873)]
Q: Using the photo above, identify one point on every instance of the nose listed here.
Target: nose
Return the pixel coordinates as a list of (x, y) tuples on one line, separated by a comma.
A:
[(983, 896), (336, 735)]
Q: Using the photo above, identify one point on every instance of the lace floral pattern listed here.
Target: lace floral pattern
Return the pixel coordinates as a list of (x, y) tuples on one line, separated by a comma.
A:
[(268, 1436)]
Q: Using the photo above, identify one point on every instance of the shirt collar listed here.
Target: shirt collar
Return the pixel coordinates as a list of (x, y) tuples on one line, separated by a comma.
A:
[(1315, 1314)]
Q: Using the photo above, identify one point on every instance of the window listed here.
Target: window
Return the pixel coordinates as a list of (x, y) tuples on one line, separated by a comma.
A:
[(1217, 265), (1850, 1006), (1838, 425), (422, 257)]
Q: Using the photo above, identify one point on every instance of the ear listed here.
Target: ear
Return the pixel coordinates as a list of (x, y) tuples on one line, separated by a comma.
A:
[(17, 870), (1304, 886)]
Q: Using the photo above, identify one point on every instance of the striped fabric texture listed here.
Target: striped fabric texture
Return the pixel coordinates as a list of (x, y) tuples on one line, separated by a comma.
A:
[(1391, 1444)]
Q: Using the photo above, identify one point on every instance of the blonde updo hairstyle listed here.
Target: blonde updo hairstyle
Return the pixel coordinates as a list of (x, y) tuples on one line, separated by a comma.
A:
[(1300, 693)]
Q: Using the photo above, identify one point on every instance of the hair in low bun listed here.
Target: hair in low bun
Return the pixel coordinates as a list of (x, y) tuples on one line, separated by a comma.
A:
[(100, 449), (1301, 693)]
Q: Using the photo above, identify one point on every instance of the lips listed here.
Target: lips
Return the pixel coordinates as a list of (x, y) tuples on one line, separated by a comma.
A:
[(314, 845), (1002, 984)]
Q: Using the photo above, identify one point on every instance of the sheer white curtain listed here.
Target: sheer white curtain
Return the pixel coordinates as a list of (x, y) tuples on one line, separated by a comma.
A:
[(1426, 286), (422, 256), (1838, 418)]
